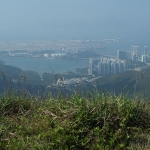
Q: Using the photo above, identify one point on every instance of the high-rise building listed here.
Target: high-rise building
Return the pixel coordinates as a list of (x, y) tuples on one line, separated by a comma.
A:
[(90, 70), (144, 58), (123, 66), (134, 49), (111, 66), (120, 66), (123, 55), (133, 56), (145, 50), (105, 68), (100, 68)]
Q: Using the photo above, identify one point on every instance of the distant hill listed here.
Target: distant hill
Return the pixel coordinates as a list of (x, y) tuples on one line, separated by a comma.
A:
[(15, 78)]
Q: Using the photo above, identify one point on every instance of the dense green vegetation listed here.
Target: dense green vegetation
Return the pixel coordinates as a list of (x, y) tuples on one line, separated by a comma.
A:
[(96, 121)]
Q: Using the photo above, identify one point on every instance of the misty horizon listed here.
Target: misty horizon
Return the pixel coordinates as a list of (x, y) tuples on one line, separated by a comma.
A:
[(43, 20)]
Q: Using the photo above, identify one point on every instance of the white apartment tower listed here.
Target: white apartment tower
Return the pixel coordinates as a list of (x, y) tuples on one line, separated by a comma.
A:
[(90, 70), (111, 66), (135, 50), (144, 58)]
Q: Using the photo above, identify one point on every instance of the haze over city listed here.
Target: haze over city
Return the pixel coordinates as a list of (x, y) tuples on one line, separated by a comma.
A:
[(75, 19), (75, 74)]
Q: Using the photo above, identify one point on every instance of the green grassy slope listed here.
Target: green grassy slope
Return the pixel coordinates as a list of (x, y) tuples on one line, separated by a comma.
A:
[(96, 121)]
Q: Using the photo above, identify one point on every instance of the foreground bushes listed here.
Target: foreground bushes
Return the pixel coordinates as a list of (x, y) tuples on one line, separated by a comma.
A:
[(94, 122)]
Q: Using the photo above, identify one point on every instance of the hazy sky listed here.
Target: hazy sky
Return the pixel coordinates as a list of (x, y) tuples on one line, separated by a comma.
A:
[(74, 19)]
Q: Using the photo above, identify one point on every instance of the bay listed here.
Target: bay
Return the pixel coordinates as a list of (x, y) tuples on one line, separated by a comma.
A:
[(42, 65)]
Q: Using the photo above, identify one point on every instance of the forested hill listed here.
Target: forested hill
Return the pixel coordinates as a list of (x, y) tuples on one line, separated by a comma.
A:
[(14, 77)]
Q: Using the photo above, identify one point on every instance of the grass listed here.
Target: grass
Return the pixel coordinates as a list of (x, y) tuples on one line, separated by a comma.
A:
[(93, 122)]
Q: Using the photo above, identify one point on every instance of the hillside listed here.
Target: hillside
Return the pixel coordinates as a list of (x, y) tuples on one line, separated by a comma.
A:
[(55, 119), (131, 82), (16, 78), (97, 121)]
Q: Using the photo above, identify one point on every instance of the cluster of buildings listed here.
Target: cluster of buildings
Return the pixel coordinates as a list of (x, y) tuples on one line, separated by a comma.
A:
[(70, 81), (134, 55), (107, 66), (137, 57), (145, 57), (113, 66)]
